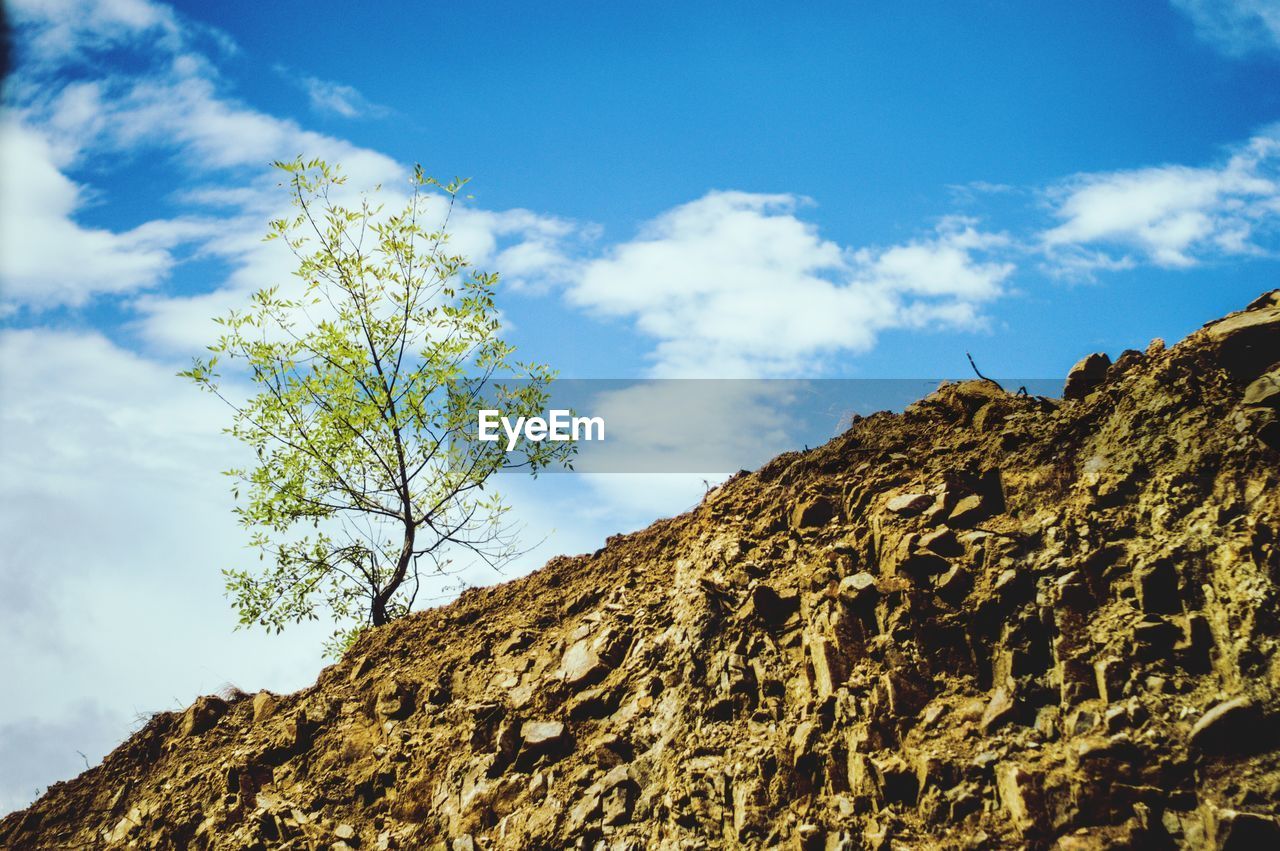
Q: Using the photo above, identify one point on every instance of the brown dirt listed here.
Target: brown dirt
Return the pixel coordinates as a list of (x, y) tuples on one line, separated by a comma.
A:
[(991, 621)]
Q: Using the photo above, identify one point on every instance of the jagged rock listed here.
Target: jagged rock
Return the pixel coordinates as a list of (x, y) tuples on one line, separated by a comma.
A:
[(916, 563), (264, 706), (202, 715), (817, 511), (582, 665), (1001, 709), (859, 589), (967, 512), (909, 503), (394, 699), (1085, 377), (772, 607), (1157, 587), (826, 663), (942, 542), (545, 739), (1232, 726), (1082, 722), (1110, 678), (1232, 830), (620, 791), (864, 679), (1019, 791), (1247, 341), (1128, 359), (954, 585), (1264, 391)]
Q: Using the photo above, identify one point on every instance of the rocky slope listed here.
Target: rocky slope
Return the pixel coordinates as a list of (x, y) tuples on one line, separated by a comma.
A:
[(992, 621)]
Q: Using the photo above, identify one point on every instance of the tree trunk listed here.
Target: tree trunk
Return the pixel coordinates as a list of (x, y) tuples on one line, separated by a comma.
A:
[(379, 608)]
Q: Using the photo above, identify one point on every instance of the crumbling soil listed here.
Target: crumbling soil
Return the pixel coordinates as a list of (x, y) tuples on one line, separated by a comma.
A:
[(991, 621)]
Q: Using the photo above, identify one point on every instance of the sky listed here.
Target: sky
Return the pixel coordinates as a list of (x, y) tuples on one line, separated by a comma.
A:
[(668, 190)]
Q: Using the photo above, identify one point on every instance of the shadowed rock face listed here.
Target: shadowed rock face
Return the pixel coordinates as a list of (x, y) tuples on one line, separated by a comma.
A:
[(989, 622)]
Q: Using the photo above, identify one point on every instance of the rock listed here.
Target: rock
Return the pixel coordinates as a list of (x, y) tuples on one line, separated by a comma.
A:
[(506, 741), (1247, 341), (909, 503), (581, 666), (1157, 587), (394, 700), (920, 564), (362, 666), (549, 739), (885, 681), (896, 780), (826, 663), (1264, 391), (989, 417), (620, 791), (1115, 719), (264, 706), (1268, 429), (1155, 637), (1086, 376), (942, 542), (1001, 709), (1082, 722), (1110, 675), (954, 585), (1019, 792), (1231, 727), (1128, 359), (1232, 830), (1085, 839), (585, 810), (967, 512), (817, 511), (125, 827), (859, 589), (772, 607), (202, 715)]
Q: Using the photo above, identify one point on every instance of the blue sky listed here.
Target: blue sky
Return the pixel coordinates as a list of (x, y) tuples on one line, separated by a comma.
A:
[(669, 190)]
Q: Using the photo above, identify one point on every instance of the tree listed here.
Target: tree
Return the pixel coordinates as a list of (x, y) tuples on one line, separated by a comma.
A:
[(368, 377)]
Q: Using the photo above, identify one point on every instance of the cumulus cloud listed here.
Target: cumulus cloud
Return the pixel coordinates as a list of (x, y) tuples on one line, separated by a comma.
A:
[(175, 107), (116, 525), (1173, 216), (1236, 27), (46, 257), (737, 284), (59, 31)]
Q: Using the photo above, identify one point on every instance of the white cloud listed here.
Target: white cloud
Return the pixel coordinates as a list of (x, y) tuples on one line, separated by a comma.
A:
[(59, 31), (46, 258), (1172, 216), (116, 523), (1236, 27), (333, 98), (175, 109), (736, 284)]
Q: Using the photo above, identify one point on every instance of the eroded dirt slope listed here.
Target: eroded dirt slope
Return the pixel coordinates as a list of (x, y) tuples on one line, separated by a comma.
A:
[(991, 621)]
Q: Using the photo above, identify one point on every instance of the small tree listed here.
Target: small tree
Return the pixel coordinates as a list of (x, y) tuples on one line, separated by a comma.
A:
[(368, 378)]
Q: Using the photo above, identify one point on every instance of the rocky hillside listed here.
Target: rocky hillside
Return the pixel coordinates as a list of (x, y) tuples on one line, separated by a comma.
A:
[(992, 621)]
